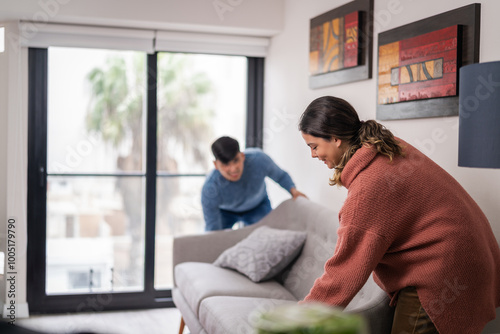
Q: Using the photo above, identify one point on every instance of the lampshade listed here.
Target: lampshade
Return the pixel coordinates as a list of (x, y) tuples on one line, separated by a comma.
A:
[(479, 115)]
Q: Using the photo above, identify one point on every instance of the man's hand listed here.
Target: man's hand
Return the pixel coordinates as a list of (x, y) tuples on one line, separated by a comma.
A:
[(295, 193)]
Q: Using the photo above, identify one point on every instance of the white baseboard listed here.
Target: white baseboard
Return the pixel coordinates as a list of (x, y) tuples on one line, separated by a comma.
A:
[(21, 310)]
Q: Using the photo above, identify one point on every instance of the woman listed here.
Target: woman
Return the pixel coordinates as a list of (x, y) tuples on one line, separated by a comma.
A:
[(428, 243)]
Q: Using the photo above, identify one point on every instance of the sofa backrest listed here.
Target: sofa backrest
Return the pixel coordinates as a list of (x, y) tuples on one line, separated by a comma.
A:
[(321, 224)]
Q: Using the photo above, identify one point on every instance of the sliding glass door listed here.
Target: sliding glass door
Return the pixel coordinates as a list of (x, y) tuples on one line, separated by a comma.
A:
[(119, 146), (95, 171), (200, 97)]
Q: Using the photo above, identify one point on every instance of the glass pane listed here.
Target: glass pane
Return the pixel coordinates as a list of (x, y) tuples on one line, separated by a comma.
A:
[(95, 110), (95, 234), (200, 98), (178, 212)]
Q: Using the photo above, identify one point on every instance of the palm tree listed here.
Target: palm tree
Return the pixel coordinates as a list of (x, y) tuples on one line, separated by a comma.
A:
[(116, 114)]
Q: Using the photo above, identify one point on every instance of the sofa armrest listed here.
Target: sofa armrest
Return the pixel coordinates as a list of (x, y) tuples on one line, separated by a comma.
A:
[(208, 246)]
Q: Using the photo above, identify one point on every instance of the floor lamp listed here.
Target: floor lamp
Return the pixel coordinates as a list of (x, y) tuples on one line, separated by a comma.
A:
[(479, 115)]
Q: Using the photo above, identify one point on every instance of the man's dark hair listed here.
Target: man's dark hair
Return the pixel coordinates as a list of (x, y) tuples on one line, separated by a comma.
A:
[(225, 149)]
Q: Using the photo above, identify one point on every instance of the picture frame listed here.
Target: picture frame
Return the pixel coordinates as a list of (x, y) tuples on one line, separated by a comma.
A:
[(358, 52), (429, 103)]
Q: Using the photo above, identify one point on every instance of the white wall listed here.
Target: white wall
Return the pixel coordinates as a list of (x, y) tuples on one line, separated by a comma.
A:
[(3, 149), (13, 150), (286, 89)]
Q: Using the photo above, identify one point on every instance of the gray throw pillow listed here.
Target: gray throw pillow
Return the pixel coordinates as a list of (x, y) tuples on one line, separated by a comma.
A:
[(264, 253)]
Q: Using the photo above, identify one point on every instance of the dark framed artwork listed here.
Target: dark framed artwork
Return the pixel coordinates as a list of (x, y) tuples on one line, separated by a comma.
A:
[(341, 44), (418, 64)]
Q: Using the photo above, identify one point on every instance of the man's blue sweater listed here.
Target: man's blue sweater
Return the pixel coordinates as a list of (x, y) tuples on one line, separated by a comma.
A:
[(242, 195)]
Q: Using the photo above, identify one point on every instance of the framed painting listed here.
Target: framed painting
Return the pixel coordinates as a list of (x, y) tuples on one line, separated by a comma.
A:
[(340, 45), (418, 64)]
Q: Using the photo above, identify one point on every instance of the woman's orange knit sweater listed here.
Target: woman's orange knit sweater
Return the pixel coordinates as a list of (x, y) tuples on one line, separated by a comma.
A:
[(412, 224)]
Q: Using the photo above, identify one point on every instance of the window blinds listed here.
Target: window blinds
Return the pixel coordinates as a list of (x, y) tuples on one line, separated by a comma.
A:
[(33, 34), (211, 43), (43, 35)]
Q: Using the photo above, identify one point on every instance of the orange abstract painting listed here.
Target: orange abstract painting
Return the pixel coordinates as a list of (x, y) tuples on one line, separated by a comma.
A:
[(420, 67), (334, 44)]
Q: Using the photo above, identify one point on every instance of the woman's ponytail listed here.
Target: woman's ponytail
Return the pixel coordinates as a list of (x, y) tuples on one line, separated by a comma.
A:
[(373, 133)]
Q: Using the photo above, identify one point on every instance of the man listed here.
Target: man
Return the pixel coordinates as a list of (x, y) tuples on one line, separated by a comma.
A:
[(235, 190)]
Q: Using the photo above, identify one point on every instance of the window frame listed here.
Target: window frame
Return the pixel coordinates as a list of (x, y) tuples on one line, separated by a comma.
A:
[(38, 300)]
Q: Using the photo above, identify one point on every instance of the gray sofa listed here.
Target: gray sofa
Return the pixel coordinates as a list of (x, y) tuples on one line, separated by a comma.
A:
[(216, 300)]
